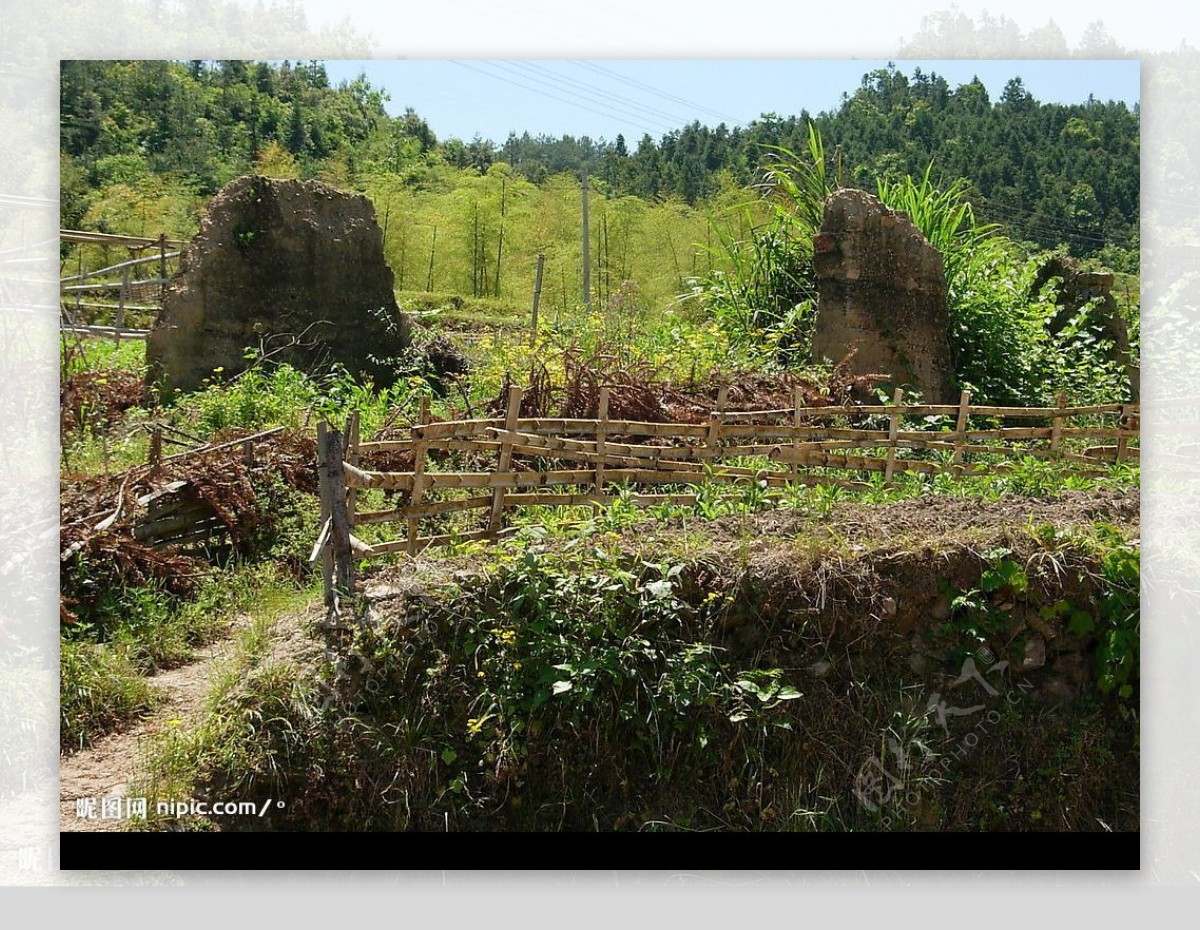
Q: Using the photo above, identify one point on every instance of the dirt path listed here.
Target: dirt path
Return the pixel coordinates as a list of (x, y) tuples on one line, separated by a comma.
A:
[(105, 769)]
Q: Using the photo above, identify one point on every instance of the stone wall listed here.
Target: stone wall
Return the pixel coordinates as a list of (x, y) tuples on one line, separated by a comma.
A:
[(882, 296), (293, 266)]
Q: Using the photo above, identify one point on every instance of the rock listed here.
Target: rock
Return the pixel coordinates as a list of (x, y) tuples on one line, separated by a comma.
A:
[(1035, 654), (820, 668), (381, 592), (279, 264), (882, 296), (940, 608)]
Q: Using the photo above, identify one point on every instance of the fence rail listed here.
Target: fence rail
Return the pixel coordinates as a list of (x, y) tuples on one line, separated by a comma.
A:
[(114, 289), (566, 462)]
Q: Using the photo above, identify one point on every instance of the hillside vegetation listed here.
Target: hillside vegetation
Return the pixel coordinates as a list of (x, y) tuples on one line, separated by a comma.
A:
[(735, 660)]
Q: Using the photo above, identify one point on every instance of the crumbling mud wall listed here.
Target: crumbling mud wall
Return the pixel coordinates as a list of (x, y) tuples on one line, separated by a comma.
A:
[(882, 295), (1075, 289), (291, 268)]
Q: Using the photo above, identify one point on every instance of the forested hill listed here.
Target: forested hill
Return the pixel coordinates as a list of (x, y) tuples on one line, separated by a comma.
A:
[(1051, 173)]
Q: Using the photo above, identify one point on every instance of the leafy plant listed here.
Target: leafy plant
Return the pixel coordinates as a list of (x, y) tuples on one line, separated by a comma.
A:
[(767, 297), (1004, 574)]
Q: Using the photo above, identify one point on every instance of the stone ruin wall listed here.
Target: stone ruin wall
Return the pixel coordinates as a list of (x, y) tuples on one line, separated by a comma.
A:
[(882, 296), (294, 266)]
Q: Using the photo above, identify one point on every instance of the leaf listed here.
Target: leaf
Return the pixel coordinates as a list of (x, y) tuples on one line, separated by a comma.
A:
[(659, 590), (787, 693), (449, 755), (561, 686), (1081, 623), (1006, 573)]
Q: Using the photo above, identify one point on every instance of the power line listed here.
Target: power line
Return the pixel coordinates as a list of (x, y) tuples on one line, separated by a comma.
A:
[(591, 90), (624, 112), (599, 69), (545, 93), (1040, 224)]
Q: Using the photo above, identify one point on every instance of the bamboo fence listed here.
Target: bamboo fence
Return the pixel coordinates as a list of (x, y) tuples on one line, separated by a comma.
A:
[(115, 289), (567, 462)]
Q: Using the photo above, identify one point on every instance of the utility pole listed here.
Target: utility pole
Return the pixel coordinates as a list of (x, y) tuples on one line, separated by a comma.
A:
[(587, 257)]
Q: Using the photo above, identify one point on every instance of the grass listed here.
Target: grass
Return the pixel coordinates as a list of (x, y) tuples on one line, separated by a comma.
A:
[(100, 689), (256, 705), (106, 662), (451, 312), (87, 354)]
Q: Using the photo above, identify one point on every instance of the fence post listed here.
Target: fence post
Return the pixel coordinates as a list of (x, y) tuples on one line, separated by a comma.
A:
[(353, 457), (1056, 429), (121, 298), (510, 424), (420, 448), (601, 438), (1123, 435), (714, 427), (155, 457), (162, 267), (964, 411), (326, 509), (893, 431), (339, 533), (797, 421)]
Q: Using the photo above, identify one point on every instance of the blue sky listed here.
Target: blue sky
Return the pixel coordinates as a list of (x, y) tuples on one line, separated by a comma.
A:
[(602, 98)]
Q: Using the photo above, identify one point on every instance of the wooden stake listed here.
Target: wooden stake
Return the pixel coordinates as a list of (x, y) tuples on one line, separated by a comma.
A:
[(601, 437), (1122, 439), (326, 509), (714, 427), (420, 447), (960, 430), (1056, 429), (353, 457), (587, 255), (162, 266), (505, 461), (418, 490), (339, 529), (893, 432), (155, 458), (123, 296), (797, 421)]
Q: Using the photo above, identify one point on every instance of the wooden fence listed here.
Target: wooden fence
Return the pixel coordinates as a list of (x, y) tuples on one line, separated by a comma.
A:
[(109, 292), (800, 444)]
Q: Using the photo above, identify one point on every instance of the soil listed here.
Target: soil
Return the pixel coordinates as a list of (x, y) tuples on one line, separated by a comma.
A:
[(934, 522), (854, 609)]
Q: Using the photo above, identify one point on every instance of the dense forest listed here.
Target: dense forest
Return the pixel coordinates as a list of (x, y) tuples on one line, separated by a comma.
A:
[(1053, 174)]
